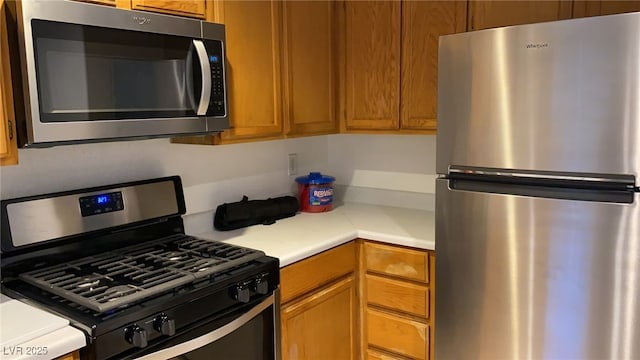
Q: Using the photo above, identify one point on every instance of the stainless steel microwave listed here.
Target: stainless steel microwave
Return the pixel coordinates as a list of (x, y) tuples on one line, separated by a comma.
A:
[(91, 73)]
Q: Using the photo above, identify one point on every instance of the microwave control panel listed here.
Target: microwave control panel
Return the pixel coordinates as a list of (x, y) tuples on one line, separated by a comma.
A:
[(217, 106)]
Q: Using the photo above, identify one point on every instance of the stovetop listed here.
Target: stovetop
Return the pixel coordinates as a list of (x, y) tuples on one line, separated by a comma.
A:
[(115, 261), (114, 279)]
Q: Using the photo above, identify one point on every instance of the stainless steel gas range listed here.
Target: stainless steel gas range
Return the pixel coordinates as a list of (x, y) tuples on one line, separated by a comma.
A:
[(116, 262)]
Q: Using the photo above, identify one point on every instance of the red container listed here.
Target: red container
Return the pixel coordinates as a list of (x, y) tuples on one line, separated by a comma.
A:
[(315, 192)]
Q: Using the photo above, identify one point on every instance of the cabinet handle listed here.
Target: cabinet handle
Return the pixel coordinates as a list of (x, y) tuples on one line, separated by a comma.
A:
[(10, 130)]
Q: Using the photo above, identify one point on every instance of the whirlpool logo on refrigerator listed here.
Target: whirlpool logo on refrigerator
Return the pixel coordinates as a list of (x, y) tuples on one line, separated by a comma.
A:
[(537, 46)]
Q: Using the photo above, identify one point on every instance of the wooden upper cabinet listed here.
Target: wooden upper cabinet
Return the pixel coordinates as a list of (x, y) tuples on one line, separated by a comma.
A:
[(123, 4), (253, 32), (423, 22), (595, 8), (8, 144), (392, 62), (191, 8), (310, 67), (484, 14), (373, 65)]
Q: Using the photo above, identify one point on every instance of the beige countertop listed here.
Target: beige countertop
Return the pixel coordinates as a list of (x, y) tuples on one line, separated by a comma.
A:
[(307, 234)]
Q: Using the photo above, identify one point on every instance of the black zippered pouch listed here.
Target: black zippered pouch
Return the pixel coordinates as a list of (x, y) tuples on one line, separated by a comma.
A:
[(231, 216)]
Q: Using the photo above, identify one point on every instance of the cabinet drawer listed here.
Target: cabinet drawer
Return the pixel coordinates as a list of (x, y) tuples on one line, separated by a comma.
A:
[(398, 335), (398, 295), (309, 274), (396, 261), (375, 355)]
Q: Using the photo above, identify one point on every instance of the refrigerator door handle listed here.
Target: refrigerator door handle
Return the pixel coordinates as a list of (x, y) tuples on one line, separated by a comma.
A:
[(604, 194), (524, 175)]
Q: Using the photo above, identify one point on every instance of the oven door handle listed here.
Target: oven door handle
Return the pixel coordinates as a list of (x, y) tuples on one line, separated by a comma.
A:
[(211, 337), (205, 70)]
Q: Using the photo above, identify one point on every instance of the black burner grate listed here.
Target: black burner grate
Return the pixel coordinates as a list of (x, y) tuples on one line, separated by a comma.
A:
[(107, 281)]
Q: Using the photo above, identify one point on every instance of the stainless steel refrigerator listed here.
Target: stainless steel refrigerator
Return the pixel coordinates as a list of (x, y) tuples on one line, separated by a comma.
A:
[(538, 199)]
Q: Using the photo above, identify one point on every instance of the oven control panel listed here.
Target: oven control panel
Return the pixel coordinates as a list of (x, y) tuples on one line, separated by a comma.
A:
[(101, 203)]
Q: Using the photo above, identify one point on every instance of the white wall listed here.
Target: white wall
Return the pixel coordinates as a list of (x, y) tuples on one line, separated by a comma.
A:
[(393, 170), (396, 170), (211, 175)]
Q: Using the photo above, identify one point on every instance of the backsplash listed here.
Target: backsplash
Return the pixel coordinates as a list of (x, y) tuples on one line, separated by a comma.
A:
[(394, 170)]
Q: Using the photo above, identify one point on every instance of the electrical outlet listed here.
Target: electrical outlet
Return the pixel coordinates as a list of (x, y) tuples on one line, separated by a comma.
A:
[(293, 164)]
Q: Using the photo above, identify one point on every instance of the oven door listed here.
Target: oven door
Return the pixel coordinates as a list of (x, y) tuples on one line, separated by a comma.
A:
[(251, 333)]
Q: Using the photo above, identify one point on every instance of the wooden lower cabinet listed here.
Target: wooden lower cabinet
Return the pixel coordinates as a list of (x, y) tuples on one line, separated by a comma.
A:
[(396, 307), (361, 300), (321, 325), (70, 356), (319, 317), (397, 333)]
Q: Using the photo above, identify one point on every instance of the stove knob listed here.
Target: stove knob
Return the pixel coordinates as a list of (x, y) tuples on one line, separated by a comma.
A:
[(164, 325), (242, 293), (261, 284), (136, 336)]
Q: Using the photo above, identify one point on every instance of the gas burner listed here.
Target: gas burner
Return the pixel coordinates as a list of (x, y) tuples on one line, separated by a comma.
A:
[(108, 281)]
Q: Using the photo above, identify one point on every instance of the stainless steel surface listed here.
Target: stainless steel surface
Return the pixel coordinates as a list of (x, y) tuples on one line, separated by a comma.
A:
[(205, 70), (110, 280), (510, 173), (277, 330), (534, 278), (40, 134), (561, 96), (217, 31), (52, 218), (217, 334)]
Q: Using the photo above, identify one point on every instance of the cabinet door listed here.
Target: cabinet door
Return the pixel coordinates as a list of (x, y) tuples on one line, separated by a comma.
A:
[(485, 14), (422, 23), (373, 65), (8, 145), (310, 67), (191, 8), (70, 356), (321, 325), (253, 31), (594, 8)]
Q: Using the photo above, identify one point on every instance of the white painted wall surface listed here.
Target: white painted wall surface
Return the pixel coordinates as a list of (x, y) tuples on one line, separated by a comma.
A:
[(211, 175), (395, 170)]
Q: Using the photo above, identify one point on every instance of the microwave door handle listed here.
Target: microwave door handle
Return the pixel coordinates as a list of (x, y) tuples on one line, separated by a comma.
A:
[(205, 70), (190, 79)]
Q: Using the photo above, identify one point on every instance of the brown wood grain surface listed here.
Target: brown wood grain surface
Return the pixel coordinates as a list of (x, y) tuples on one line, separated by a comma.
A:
[(190, 8), (310, 67), (423, 22), (8, 136), (397, 334), (307, 275), (254, 35), (373, 65), (398, 295), (321, 325), (484, 14), (401, 262)]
